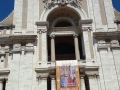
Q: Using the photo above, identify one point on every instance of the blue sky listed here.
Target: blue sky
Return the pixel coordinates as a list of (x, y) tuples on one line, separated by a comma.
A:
[(6, 6)]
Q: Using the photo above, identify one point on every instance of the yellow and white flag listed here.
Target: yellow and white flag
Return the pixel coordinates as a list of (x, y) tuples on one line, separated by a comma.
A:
[(67, 75)]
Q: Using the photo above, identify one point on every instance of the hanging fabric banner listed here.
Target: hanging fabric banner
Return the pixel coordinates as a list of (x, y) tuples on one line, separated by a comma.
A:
[(67, 75)]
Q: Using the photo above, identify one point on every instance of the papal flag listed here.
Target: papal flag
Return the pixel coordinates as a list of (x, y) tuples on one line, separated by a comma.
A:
[(67, 75)]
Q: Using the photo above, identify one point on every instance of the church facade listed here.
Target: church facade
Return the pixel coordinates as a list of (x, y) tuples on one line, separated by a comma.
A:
[(40, 34)]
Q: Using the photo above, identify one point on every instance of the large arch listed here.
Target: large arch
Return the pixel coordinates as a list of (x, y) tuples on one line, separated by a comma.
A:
[(63, 14), (69, 15), (78, 10)]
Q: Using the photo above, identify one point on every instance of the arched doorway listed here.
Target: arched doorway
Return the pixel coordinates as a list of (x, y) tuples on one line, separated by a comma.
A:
[(63, 23)]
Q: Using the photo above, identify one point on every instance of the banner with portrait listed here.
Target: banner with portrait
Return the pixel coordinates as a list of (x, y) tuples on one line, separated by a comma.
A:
[(67, 75)]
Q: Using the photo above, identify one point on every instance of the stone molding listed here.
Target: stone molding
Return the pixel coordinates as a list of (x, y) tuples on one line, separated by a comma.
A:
[(64, 31), (108, 48), (3, 51), (50, 68), (42, 26), (86, 21), (92, 70), (86, 27), (16, 41), (106, 35), (86, 24), (17, 38), (4, 74), (4, 71), (7, 26), (113, 44)]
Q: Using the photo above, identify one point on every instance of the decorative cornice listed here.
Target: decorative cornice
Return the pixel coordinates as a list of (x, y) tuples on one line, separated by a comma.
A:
[(86, 24), (42, 26), (92, 70), (17, 38), (42, 23), (106, 35), (7, 26), (4, 71), (86, 21)]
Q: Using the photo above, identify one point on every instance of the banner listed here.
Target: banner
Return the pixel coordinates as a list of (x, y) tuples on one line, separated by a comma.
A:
[(67, 75)]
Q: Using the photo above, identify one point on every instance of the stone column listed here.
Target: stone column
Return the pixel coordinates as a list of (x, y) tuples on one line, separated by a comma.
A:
[(93, 83), (40, 45), (6, 60), (43, 27), (2, 61), (86, 80), (1, 85), (82, 83), (42, 82), (7, 47), (53, 83), (44, 46), (52, 48), (77, 53)]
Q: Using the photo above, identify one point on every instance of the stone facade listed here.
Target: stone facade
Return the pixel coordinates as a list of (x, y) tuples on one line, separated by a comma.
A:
[(32, 36)]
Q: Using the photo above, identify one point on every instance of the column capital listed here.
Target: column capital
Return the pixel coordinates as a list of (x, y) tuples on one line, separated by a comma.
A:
[(52, 36), (52, 77), (41, 31), (75, 35)]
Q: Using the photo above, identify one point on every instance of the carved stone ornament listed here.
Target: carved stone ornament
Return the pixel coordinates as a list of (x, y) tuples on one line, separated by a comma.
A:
[(49, 3)]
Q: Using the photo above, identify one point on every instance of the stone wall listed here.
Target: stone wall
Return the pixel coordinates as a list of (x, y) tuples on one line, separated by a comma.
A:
[(22, 63)]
